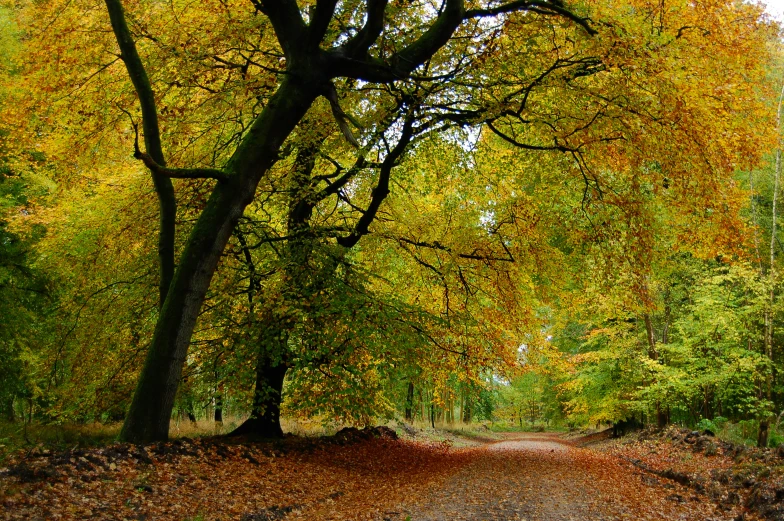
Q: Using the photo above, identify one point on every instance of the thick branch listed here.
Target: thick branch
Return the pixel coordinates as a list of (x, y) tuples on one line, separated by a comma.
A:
[(138, 76), (340, 117), (319, 23), (152, 141), (542, 7), (177, 173), (181, 173), (286, 21), (353, 61), (359, 44), (431, 41)]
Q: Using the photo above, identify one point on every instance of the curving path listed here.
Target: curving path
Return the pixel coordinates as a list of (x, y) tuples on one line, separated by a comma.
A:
[(540, 477)]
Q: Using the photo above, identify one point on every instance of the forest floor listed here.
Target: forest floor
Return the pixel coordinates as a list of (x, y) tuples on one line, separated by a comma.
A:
[(370, 475)]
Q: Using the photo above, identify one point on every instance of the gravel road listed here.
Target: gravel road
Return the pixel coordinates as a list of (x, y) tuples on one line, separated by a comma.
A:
[(541, 477)]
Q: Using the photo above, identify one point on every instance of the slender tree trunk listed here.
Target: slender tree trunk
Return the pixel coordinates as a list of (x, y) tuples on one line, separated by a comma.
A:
[(150, 411), (762, 436), (651, 337), (7, 409), (409, 401), (661, 418), (756, 222), (219, 409), (762, 439), (167, 202)]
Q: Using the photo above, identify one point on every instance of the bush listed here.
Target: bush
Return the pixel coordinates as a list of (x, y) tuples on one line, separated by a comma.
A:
[(707, 425), (775, 439), (743, 433)]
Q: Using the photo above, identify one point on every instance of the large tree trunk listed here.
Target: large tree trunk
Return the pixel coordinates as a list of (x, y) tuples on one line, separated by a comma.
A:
[(150, 411), (271, 366), (264, 421)]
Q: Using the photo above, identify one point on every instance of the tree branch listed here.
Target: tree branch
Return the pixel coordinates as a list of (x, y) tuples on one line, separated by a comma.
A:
[(381, 190), (473, 256), (340, 182), (319, 23), (352, 60), (181, 173), (177, 173), (152, 141), (341, 117), (542, 7), (526, 146), (359, 44), (286, 21)]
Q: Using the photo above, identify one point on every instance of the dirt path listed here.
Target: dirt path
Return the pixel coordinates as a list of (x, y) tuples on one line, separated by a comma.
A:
[(540, 477), (524, 477)]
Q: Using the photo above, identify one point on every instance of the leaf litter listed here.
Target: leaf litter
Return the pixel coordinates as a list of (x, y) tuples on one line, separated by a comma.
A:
[(356, 475)]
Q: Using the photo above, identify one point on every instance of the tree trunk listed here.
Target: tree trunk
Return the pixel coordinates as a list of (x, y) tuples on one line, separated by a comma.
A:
[(651, 337), (219, 409), (264, 421), (7, 409), (661, 416), (410, 402), (150, 411), (762, 437), (467, 411), (167, 202)]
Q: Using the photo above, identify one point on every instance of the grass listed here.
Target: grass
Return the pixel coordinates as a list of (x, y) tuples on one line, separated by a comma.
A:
[(19, 436)]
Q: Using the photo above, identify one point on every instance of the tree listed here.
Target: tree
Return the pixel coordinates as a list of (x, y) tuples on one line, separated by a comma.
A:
[(309, 72), (231, 96)]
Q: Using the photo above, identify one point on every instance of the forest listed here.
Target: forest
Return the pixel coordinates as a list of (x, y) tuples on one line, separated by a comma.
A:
[(526, 213)]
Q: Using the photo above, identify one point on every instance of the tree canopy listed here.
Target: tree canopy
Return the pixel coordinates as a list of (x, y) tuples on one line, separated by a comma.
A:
[(345, 209)]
